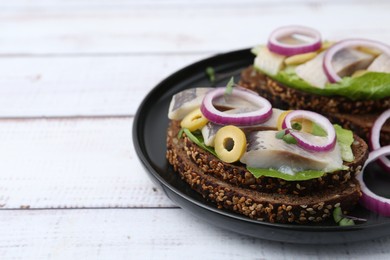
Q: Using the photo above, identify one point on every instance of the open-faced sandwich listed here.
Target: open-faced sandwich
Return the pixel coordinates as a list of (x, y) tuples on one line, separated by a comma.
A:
[(347, 81), (242, 154)]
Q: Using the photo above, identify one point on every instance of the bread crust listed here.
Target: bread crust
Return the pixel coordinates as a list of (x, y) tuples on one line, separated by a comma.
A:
[(359, 116), (238, 175), (265, 206)]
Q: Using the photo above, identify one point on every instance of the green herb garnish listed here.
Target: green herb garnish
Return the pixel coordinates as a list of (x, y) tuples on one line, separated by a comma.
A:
[(344, 220), (197, 138), (340, 219), (180, 134), (297, 126), (280, 134), (229, 86), (211, 74), (337, 215), (288, 138)]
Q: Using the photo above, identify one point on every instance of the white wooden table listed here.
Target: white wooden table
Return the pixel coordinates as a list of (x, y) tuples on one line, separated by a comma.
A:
[(72, 74)]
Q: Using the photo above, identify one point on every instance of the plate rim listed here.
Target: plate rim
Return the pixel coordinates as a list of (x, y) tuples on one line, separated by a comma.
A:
[(152, 172)]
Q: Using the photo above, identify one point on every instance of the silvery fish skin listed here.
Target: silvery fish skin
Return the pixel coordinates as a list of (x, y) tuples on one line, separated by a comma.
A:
[(269, 62), (313, 72), (347, 61), (380, 64), (265, 151), (271, 123), (233, 102), (210, 129), (185, 102), (188, 100)]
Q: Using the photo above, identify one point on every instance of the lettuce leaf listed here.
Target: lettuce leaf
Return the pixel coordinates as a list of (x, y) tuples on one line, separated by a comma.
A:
[(299, 176), (370, 86), (344, 139), (197, 138)]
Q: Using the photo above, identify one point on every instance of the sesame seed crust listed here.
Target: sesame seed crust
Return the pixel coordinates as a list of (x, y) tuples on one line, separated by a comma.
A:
[(238, 175), (263, 206)]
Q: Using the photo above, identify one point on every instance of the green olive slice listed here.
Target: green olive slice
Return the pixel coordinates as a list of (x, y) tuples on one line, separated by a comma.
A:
[(230, 143), (194, 120)]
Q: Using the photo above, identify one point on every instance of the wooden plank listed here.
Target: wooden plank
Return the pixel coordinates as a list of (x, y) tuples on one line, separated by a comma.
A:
[(180, 28), (74, 86), (149, 234), (71, 5), (73, 163)]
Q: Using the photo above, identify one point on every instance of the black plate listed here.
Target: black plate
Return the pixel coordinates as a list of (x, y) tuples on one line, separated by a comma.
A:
[(149, 134)]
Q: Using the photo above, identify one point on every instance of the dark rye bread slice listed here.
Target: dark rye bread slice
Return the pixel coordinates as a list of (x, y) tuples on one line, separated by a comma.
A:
[(271, 207), (359, 116), (237, 174)]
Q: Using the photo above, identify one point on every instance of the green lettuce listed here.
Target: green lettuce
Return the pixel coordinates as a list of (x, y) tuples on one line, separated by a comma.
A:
[(197, 138), (370, 86), (299, 176), (344, 139)]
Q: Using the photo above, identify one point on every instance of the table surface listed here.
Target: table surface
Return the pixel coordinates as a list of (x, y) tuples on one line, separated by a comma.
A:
[(72, 74)]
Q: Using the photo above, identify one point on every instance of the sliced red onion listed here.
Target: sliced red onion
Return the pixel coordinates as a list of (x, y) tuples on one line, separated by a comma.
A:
[(242, 119), (276, 46), (350, 43), (302, 139), (375, 138), (369, 199)]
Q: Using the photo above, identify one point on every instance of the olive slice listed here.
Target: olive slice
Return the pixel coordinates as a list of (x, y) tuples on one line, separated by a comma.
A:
[(230, 143), (194, 120)]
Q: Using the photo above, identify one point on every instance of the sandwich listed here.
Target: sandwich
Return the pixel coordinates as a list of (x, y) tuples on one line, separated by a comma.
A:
[(348, 81), (246, 156)]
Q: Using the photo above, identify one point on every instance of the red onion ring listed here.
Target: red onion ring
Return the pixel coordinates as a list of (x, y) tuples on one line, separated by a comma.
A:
[(375, 138), (243, 119), (285, 49), (351, 43), (322, 121), (370, 200)]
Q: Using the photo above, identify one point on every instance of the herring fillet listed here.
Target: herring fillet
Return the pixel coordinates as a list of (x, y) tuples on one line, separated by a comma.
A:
[(313, 72), (208, 132), (265, 151), (269, 62), (346, 61), (210, 129), (186, 101), (380, 64)]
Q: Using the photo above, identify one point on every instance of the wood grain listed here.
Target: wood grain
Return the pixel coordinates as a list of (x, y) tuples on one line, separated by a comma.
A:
[(149, 234), (80, 59), (173, 28), (82, 86), (74, 163)]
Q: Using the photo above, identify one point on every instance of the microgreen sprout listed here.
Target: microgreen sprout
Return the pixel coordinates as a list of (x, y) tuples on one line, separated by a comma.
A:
[(211, 74), (286, 136), (229, 86), (344, 220)]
